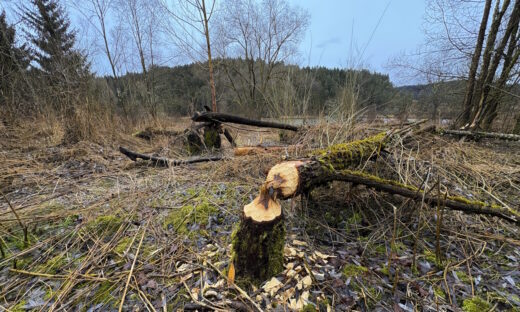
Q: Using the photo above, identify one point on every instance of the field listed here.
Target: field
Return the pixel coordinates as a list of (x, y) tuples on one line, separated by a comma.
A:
[(103, 232)]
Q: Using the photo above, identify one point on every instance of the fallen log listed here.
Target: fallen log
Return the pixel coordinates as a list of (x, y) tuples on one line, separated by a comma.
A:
[(258, 259), (255, 150), (149, 133), (221, 117), (259, 240), (166, 162), (476, 135)]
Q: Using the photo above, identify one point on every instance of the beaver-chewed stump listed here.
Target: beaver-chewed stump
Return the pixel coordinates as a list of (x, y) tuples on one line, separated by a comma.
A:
[(259, 240)]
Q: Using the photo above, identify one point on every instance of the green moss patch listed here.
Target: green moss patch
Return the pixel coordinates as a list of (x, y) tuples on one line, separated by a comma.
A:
[(352, 270), (53, 265), (103, 226), (476, 304), (181, 219)]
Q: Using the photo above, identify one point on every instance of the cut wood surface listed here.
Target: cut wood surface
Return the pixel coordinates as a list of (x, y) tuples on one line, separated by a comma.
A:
[(221, 117), (291, 178), (166, 162), (479, 134)]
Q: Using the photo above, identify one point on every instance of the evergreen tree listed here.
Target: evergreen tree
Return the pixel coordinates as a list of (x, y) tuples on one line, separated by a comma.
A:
[(13, 60), (54, 42)]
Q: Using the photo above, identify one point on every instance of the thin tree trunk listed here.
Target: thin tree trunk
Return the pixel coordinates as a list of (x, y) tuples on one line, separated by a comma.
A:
[(210, 63), (498, 55), (470, 86)]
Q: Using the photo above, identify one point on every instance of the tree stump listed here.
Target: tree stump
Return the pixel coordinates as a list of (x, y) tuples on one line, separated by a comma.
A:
[(194, 143), (258, 242), (212, 136)]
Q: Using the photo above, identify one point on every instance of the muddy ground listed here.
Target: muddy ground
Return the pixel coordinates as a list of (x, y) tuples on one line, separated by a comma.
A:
[(101, 228)]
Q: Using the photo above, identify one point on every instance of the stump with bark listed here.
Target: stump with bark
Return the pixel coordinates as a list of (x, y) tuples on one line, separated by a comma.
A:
[(257, 244), (259, 240)]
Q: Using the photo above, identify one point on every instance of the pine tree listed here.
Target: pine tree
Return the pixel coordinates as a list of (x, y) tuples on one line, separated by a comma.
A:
[(13, 60), (54, 41)]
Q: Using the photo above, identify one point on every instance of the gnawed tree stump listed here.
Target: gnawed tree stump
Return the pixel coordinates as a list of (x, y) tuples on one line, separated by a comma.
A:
[(258, 243), (291, 178)]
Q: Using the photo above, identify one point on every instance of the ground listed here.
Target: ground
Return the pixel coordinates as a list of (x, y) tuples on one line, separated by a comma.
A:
[(101, 227)]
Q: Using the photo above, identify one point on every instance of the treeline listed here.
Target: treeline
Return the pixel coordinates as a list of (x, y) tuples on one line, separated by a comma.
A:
[(181, 90)]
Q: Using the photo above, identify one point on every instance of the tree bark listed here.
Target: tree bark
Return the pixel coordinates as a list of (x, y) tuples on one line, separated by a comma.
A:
[(261, 217), (470, 85), (479, 134), (221, 117), (491, 72), (166, 162)]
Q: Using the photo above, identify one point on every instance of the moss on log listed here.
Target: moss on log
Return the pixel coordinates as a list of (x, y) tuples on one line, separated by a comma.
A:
[(258, 249), (212, 137), (257, 244)]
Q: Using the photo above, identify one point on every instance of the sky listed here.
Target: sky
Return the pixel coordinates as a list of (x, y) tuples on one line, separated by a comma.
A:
[(360, 33), (344, 33)]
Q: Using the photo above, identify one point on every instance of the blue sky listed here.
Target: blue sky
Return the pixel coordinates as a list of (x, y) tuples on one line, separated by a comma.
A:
[(341, 29), (347, 33)]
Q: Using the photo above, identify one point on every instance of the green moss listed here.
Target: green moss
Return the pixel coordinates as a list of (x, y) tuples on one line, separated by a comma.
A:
[(375, 294), (398, 247), (341, 156), (384, 270), (70, 220), (103, 225), (53, 265), (463, 277), (103, 294), (257, 251), (351, 270), (309, 308), (439, 292), (211, 138), (356, 218), (380, 249), (19, 307), (475, 304), (124, 244), (180, 219)]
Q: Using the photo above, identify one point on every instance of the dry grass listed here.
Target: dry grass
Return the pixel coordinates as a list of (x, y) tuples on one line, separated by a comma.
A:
[(87, 207)]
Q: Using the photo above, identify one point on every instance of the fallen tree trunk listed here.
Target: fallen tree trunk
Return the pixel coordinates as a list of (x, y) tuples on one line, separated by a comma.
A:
[(259, 240), (255, 150), (221, 117), (291, 178), (150, 133), (166, 162), (476, 135)]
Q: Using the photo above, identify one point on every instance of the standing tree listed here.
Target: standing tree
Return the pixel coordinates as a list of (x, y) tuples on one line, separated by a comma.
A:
[(97, 13), (190, 29), (265, 34), (13, 61), (63, 69)]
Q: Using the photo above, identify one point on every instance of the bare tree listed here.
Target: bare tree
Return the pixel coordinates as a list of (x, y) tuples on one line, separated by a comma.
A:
[(142, 20), (189, 28), (96, 13), (265, 34)]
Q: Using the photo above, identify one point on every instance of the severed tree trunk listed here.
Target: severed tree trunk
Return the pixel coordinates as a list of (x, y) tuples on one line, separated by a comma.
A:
[(258, 242)]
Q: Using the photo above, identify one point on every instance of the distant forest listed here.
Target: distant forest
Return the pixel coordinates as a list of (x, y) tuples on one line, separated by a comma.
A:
[(181, 90)]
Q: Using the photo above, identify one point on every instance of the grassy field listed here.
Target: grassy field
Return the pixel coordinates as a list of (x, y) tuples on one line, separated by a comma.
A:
[(104, 232)]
